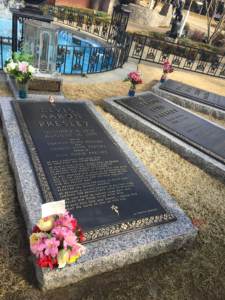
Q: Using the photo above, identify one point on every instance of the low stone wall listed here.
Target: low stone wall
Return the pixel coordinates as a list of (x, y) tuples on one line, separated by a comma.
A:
[(150, 17)]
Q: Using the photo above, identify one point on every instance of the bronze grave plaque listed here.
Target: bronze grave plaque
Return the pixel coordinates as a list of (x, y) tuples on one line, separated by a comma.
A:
[(75, 159), (194, 93)]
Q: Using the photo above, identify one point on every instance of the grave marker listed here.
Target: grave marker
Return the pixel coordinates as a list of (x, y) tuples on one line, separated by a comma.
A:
[(76, 160)]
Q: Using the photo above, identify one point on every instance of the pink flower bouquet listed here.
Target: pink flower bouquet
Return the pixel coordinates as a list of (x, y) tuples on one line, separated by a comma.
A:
[(135, 79), (167, 68), (54, 241)]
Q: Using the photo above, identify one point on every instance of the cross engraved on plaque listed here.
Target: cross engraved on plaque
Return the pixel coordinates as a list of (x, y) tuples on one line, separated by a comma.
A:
[(206, 95), (197, 92), (179, 86), (115, 208), (188, 89)]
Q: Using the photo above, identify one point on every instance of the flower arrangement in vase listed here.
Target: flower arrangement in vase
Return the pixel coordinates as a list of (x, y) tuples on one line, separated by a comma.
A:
[(19, 67), (167, 68), (135, 79), (54, 241)]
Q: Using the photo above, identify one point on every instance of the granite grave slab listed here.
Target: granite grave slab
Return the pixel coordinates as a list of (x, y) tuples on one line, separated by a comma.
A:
[(189, 103), (166, 136), (191, 92), (102, 255), (75, 160), (197, 132)]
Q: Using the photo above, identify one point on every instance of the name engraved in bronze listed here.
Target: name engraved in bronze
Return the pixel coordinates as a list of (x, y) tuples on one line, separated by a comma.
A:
[(193, 93), (39, 85), (76, 160), (199, 133)]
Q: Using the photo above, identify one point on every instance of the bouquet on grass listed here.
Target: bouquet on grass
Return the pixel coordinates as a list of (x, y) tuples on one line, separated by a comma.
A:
[(54, 241), (135, 79), (167, 68), (19, 67)]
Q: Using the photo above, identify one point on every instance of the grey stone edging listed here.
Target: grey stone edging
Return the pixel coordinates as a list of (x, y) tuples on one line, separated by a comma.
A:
[(104, 255), (205, 162)]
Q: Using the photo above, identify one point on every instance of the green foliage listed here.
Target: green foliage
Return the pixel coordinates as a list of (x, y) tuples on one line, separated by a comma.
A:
[(187, 26), (31, 257), (99, 14), (63, 253), (49, 236)]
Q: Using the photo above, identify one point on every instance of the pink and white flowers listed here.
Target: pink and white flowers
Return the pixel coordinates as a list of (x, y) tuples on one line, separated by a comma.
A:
[(56, 241), (19, 66), (134, 78)]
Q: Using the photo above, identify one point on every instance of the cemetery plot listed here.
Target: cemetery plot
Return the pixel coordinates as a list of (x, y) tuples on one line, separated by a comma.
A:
[(76, 160), (194, 130), (193, 93)]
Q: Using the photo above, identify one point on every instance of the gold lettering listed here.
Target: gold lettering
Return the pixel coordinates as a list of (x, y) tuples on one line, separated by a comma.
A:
[(77, 116), (43, 116), (78, 123), (206, 95), (50, 110), (58, 110), (72, 124), (197, 92), (52, 116), (60, 117), (86, 123), (214, 99), (188, 89), (41, 123), (43, 110), (70, 110), (64, 123), (179, 86), (64, 110), (57, 123), (49, 124)]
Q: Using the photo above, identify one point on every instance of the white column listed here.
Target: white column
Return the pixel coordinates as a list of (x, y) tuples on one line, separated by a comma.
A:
[(183, 23), (151, 4)]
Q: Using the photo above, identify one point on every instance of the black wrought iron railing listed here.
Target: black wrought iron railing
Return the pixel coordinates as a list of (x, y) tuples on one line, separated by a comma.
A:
[(84, 58), (89, 23), (145, 48)]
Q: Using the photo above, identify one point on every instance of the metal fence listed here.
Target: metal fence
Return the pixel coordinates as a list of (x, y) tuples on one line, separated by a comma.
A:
[(145, 48), (84, 59), (119, 45), (73, 59)]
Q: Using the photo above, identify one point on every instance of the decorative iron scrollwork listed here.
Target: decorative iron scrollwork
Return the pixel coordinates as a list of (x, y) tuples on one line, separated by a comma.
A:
[(88, 24), (215, 63), (106, 60), (78, 56), (97, 27), (104, 31), (93, 60), (61, 53), (80, 20), (71, 17)]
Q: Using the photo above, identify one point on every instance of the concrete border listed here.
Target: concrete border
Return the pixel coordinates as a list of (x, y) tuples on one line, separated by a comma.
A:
[(205, 162), (104, 255)]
